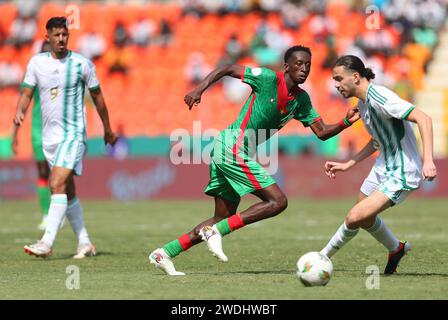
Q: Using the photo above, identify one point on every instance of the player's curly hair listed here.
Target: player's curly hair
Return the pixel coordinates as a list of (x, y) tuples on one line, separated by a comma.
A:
[(355, 64), (291, 50), (56, 22)]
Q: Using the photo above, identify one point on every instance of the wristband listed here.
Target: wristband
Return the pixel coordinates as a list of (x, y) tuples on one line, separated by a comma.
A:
[(344, 123)]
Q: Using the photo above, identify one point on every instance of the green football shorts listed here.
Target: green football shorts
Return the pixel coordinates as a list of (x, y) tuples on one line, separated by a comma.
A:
[(233, 175)]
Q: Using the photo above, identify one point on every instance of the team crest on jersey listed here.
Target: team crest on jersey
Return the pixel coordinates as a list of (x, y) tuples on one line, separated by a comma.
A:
[(255, 71), (54, 93)]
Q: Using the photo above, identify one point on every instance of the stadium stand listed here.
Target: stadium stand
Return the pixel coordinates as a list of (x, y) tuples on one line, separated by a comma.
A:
[(144, 85)]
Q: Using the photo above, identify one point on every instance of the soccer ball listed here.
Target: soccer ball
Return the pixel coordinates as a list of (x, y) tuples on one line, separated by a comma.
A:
[(314, 269)]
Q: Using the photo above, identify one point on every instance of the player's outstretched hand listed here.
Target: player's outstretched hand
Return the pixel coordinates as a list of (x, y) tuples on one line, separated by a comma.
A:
[(352, 115), (332, 167), (429, 170), (192, 99), (110, 138)]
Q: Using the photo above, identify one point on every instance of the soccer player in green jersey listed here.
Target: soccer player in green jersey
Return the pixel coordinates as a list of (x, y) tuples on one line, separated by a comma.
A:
[(43, 171), (398, 169), (276, 98), (60, 77)]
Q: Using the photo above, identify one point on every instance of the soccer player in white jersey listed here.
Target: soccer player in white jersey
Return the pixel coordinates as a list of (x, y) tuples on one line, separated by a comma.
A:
[(398, 169), (60, 76)]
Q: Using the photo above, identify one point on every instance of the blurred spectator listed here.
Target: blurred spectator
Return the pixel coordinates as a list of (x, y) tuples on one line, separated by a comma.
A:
[(355, 50), (293, 14), (233, 49), (192, 7), (27, 8), (166, 34), (269, 44), (271, 5), (22, 31), (404, 88), (316, 6), (196, 68), (332, 55), (374, 41), (277, 40), (142, 31), (375, 63), (232, 5), (91, 45), (10, 74), (425, 36), (258, 40), (120, 35), (322, 26), (118, 59), (431, 13)]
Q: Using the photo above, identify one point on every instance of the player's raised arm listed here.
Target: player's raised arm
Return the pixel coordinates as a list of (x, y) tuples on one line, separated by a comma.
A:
[(194, 97), (98, 99), (332, 167), (324, 131), (424, 123)]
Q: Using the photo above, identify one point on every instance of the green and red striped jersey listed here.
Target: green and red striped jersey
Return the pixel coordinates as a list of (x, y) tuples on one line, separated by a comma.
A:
[(269, 107)]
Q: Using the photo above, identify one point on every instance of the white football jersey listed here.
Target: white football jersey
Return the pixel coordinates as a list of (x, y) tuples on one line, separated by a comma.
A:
[(384, 114), (61, 85)]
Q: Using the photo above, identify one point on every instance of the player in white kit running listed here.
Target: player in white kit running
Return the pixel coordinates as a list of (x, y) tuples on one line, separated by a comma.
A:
[(397, 170), (60, 76)]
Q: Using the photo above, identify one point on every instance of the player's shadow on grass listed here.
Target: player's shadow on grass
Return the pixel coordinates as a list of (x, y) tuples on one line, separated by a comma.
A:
[(413, 274), (70, 256), (257, 272)]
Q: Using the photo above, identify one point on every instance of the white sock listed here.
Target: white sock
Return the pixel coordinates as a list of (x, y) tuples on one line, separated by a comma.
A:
[(382, 233), (56, 213), (340, 238), (75, 216)]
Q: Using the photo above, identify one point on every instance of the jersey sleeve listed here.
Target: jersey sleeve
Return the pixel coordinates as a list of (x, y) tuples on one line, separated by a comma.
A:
[(389, 103), (306, 113), (258, 77), (30, 79), (90, 77)]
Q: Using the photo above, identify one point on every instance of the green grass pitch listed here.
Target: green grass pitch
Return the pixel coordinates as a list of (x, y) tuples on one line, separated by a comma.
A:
[(262, 256)]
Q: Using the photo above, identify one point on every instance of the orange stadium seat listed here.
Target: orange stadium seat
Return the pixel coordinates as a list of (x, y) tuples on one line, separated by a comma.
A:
[(8, 13)]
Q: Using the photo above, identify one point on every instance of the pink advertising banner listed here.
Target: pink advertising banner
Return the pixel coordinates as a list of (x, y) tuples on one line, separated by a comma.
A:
[(158, 178)]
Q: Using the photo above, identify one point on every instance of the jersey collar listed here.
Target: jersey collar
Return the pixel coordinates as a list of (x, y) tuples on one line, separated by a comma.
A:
[(283, 96)]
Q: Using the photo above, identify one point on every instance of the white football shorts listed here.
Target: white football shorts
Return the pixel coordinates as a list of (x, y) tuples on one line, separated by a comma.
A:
[(67, 154)]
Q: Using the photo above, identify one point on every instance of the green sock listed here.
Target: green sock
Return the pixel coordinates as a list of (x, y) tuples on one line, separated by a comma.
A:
[(223, 227), (44, 199), (183, 243), (173, 248), (230, 224)]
